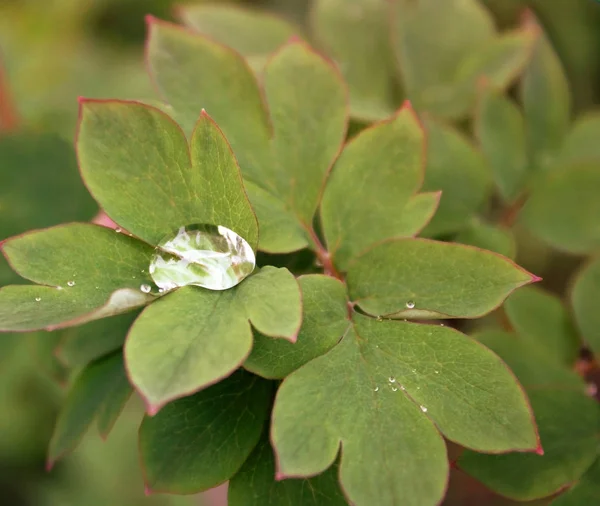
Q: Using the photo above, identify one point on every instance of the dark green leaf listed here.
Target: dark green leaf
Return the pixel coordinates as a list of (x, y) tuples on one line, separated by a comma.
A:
[(563, 208), (198, 442), (420, 278), (584, 491), (100, 390), (581, 143), (490, 237), (351, 33), (89, 272), (455, 167), (584, 298), (325, 318), (255, 484), (362, 206), (194, 337), (539, 316)]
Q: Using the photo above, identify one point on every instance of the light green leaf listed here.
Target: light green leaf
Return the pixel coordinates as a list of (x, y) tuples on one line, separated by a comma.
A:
[(255, 485), (563, 208), (308, 103), (541, 318), (420, 278), (455, 167), (490, 237), (351, 33), (89, 272), (280, 232), (584, 299), (585, 491), (325, 318), (377, 173), (384, 375), (136, 162), (500, 129), (417, 213), (195, 73), (420, 29), (198, 442), (100, 390), (194, 337), (546, 100), (81, 345), (581, 143), (250, 32)]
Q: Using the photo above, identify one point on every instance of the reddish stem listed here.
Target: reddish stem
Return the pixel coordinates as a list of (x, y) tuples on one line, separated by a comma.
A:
[(9, 119), (509, 216), (324, 256)]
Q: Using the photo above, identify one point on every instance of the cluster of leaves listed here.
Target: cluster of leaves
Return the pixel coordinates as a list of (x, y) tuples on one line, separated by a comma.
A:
[(316, 163)]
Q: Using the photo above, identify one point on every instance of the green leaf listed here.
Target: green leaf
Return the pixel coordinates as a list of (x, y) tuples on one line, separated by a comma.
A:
[(500, 129), (384, 375), (194, 337), (490, 237), (280, 232), (42, 347), (39, 184), (584, 299), (420, 278), (351, 33), (308, 103), (324, 320), (359, 202), (105, 269), (251, 33), (81, 345), (563, 207), (540, 317), (136, 162), (546, 101), (194, 72), (581, 143), (584, 491), (255, 485), (200, 441), (567, 419), (420, 27), (455, 167), (99, 391)]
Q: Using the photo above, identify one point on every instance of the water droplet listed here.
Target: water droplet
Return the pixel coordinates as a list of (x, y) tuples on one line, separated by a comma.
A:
[(437, 372), (145, 288), (376, 389), (210, 256), (37, 299), (59, 287), (70, 283), (423, 409), (161, 290), (441, 324), (392, 379), (394, 389), (414, 370), (97, 288), (402, 387), (410, 304), (379, 319), (118, 230)]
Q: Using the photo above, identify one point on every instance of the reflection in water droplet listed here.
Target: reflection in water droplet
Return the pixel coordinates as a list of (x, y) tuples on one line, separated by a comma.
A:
[(70, 283), (210, 256), (376, 389), (37, 299), (410, 304), (423, 409), (392, 379), (145, 288)]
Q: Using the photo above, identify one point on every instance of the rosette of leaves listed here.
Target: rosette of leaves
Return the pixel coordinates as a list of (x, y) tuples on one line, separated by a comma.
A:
[(367, 396)]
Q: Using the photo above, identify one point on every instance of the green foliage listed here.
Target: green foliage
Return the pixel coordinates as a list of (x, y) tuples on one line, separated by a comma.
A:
[(336, 370)]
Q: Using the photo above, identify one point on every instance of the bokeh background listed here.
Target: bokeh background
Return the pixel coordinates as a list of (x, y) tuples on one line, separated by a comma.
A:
[(51, 52)]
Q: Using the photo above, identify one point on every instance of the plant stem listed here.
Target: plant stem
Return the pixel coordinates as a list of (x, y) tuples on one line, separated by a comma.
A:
[(9, 119), (323, 255)]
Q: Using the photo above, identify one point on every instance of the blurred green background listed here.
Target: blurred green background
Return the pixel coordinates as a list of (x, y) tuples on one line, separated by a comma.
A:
[(53, 51)]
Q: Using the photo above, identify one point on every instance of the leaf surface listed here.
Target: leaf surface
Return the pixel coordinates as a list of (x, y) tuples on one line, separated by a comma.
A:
[(584, 491), (420, 278), (581, 143), (584, 299), (200, 441), (489, 237)]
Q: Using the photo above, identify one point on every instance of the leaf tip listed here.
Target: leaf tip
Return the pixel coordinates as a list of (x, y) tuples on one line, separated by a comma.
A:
[(150, 19), (279, 476), (294, 39), (49, 464), (539, 450), (536, 279), (147, 490), (152, 409)]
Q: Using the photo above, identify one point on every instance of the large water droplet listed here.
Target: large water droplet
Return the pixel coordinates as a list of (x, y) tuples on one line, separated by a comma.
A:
[(210, 256), (410, 304)]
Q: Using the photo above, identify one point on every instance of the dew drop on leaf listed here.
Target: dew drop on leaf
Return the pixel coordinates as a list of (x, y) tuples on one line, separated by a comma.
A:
[(394, 389), (70, 283), (37, 299), (392, 379), (210, 256), (376, 389), (423, 409), (118, 230), (410, 305), (145, 288), (402, 387)]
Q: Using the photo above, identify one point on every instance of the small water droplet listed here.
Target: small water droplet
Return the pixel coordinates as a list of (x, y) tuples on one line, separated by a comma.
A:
[(402, 387), (379, 319), (376, 389), (414, 370), (37, 299), (70, 283), (145, 288), (59, 287), (210, 256), (392, 379), (161, 290), (437, 372), (423, 409), (441, 324), (97, 288), (410, 304), (394, 389), (118, 230)]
